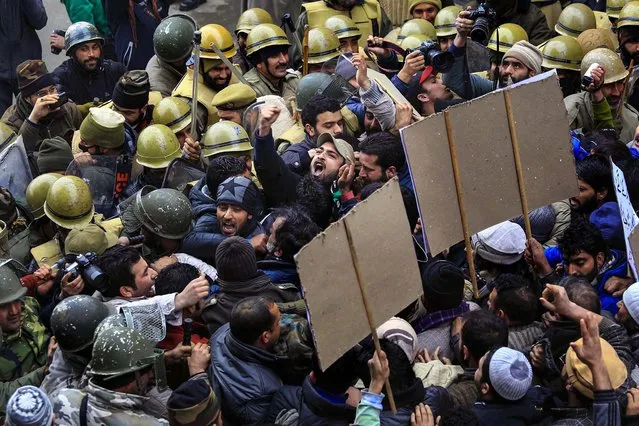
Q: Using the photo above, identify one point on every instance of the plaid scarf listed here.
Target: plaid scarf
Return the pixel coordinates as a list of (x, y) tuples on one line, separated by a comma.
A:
[(438, 318)]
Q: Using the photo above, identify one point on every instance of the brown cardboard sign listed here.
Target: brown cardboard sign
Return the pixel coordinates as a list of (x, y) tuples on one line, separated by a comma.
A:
[(384, 248), (634, 246), (480, 133)]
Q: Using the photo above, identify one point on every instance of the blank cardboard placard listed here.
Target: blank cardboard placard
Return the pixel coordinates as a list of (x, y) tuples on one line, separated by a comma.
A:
[(428, 155), (548, 165), (634, 248), (384, 246)]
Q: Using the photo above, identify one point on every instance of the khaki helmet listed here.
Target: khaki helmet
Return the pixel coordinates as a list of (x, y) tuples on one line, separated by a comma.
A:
[(166, 212), (445, 21), (157, 147), (609, 60), (414, 41), (37, 192), (11, 288), (214, 34), (265, 35), (602, 20), (343, 27), (508, 35), (69, 203), (251, 18), (613, 7), (173, 112), (629, 15), (7, 135), (562, 52), (575, 19), (413, 3), (594, 38), (323, 45), (226, 137), (417, 26)]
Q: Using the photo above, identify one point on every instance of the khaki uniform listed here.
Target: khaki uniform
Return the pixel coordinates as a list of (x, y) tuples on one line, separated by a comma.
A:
[(581, 116), (162, 76), (263, 86)]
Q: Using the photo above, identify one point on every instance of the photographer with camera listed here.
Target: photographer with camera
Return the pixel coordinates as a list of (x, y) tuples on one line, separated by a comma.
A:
[(523, 13)]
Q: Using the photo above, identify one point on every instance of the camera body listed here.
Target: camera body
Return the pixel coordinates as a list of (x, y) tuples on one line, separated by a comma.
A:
[(586, 80), (57, 50), (430, 50), (63, 98), (485, 22), (93, 276)]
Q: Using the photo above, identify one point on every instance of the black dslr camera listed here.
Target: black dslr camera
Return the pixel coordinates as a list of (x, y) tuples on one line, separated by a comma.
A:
[(84, 265), (485, 22), (441, 61)]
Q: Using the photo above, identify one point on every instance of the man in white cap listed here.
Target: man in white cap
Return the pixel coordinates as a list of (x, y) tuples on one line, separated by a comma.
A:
[(628, 317), (520, 62)]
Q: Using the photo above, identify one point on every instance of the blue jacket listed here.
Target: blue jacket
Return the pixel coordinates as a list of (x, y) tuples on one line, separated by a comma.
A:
[(279, 271), (201, 199), (244, 377), (355, 105)]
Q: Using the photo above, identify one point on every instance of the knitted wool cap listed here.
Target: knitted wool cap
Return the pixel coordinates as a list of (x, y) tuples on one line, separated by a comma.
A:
[(527, 54), (238, 191), (235, 260), (193, 403), (503, 243), (631, 301), (54, 155), (400, 332), (443, 282), (29, 406), (510, 374)]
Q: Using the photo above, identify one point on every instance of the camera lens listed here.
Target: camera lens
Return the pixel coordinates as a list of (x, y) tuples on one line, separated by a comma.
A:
[(442, 61), (480, 31)]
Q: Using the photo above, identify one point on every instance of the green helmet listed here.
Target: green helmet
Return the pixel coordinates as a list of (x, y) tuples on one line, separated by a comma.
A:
[(609, 60), (157, 147), (11, 288), (118, 351), (173, 112), (613, 7), (74, 321), (115, 320), (629, 15), (78, 33), (318, 83), (225, 137), (343, 27), (251, 18), (417, 26), (7, 135), (414, 41), (323, 45), (173, 38), (220, 37), (37, 192), (594, 38), (575, 19), (69, 203), (508, 35), (166, 212), (445, 21), (265, 35), (563, 53)]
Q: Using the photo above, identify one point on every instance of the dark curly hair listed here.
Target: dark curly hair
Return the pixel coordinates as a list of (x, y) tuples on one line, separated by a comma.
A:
[(581, 235)]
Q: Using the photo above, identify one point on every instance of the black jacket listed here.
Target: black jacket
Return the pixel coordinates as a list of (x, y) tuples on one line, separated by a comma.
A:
[(296, 156), (83, 86), (312, 407), (278, 180), (526, 411)]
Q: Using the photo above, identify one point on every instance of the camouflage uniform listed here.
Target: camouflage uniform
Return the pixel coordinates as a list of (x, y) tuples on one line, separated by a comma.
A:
[(65, 372), (23, 354), (104, 407)]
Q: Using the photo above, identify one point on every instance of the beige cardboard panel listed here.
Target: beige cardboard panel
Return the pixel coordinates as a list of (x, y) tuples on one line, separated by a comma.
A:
[(634, 244), (544, 142), (486, 162), (387, 260), (428, 155)]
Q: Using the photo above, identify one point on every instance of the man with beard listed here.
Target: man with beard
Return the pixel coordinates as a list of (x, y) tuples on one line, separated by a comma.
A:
[(267, 49), (278, 181), (587, 110), (86, 77), (628, 36), (382, 158), (214, 74), (433, 93), (131, 99), (32, 116), (596, 186), (628, 317)]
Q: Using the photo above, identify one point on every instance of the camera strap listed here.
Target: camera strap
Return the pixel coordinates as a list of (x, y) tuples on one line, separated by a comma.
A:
[(386, 45)]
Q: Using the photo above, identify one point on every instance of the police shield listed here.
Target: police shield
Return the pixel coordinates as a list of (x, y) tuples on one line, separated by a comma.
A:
[(283, 123), (15, 173), (181, 172)]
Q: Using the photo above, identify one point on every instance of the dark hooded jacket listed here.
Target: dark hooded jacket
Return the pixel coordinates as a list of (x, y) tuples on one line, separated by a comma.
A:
[(279, 271), (529, 17), (84, 86)]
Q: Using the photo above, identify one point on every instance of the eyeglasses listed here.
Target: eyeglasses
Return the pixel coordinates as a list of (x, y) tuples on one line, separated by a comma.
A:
[(51, 90)]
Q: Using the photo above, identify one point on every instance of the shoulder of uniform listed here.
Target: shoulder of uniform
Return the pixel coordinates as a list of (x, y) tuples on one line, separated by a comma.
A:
[(251, 76), (68, 398)]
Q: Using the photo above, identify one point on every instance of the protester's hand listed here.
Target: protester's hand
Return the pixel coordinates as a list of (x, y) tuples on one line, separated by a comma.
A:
[(57, 41), (191, 149), (403, 115), (535, 257), (590, 351), (424, 356), (70, 286), (375, 45), (124, 241), (194, 291), (617, 285), (177, 354), (84, 158), (41, 108), (45, 277), (199, 359), (423, 416), (413, 63), (346, 175), (380, 371), (537, 357), (463, 24), (259, 243), (548, 317), (362, 71), (555, 299), (633, 402), (268, 116), (163, 262), (456, 326), (51, 348)]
